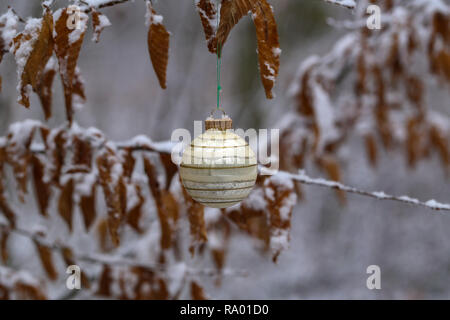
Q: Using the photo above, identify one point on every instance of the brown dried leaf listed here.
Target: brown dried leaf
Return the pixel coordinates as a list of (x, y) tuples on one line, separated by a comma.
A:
[(128, 162), (18, 154), (168, 215), (208, 13), (42, 189), (371, 149), (65, 203), (78, 94), (114, 189), (196, 215), (67, 51), (45, 255), (104, 237), (20, 285), (67, 254), (58, 154), (37, 59), (197, 292), (87, 206), (281, 198), (148, 279), (332, 169), (82, 154), (440, 142), (25, 291), (382, 108), (4, 207), (4, 234), (153, 181), (105, 282), (158, 45), (44, 87), (166, 204), (170, 168), (231, 12), (135, 213), (221, 229), (268, 46), (99, 22)]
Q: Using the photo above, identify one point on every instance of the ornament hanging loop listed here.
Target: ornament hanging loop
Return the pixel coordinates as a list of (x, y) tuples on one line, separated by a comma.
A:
[(213, 111)]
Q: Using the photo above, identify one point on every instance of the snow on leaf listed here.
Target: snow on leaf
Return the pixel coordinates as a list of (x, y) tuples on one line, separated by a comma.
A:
[(208, 16), (268, 46), (281, 199), (19, 285), (99, 22), (134, 213), (33, 47), (8, 24), (68, 44), (351, 4), (20, 136), (112, 182), (166, 205), (158, 44), (196, 215)]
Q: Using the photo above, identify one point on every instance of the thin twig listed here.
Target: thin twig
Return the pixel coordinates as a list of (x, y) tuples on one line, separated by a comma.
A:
[(111, 3), (301, 177), (379, 195), (342, 3)]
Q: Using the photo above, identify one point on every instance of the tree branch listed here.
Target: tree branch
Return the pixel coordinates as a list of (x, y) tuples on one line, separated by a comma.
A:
[(379, 195), (349, 4), (116, 261), (141, 143), (106, 3)]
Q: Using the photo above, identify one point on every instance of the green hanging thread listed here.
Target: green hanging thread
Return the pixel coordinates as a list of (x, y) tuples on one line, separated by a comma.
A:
[(219, 64)]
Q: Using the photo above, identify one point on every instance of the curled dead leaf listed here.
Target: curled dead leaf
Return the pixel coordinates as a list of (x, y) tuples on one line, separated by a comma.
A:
[(68, 42), (38, 35), (46, 257), (268, 46), (158, 45), (208, 14), (99, 22), (231, 11)]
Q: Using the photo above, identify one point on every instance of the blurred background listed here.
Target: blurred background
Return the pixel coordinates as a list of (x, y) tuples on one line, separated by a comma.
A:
[(331, 245)]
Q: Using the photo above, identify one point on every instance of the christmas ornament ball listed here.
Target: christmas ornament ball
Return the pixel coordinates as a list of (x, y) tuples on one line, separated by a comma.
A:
[(219, 168)]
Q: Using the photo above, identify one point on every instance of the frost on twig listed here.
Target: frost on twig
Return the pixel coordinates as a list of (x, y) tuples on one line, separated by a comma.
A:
[(351, 4), (380, 195)]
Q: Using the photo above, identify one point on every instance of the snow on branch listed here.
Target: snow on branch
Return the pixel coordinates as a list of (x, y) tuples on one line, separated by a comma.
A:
[(104, 259), (351, 4), (143, 143), (380, 195), (103, 3)]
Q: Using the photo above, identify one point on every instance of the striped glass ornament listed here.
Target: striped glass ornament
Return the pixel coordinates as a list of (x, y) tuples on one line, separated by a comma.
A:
[(219, 168)]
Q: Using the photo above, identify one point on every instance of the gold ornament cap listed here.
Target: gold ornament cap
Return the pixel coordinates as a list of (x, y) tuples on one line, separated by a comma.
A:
[(222, 124)]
